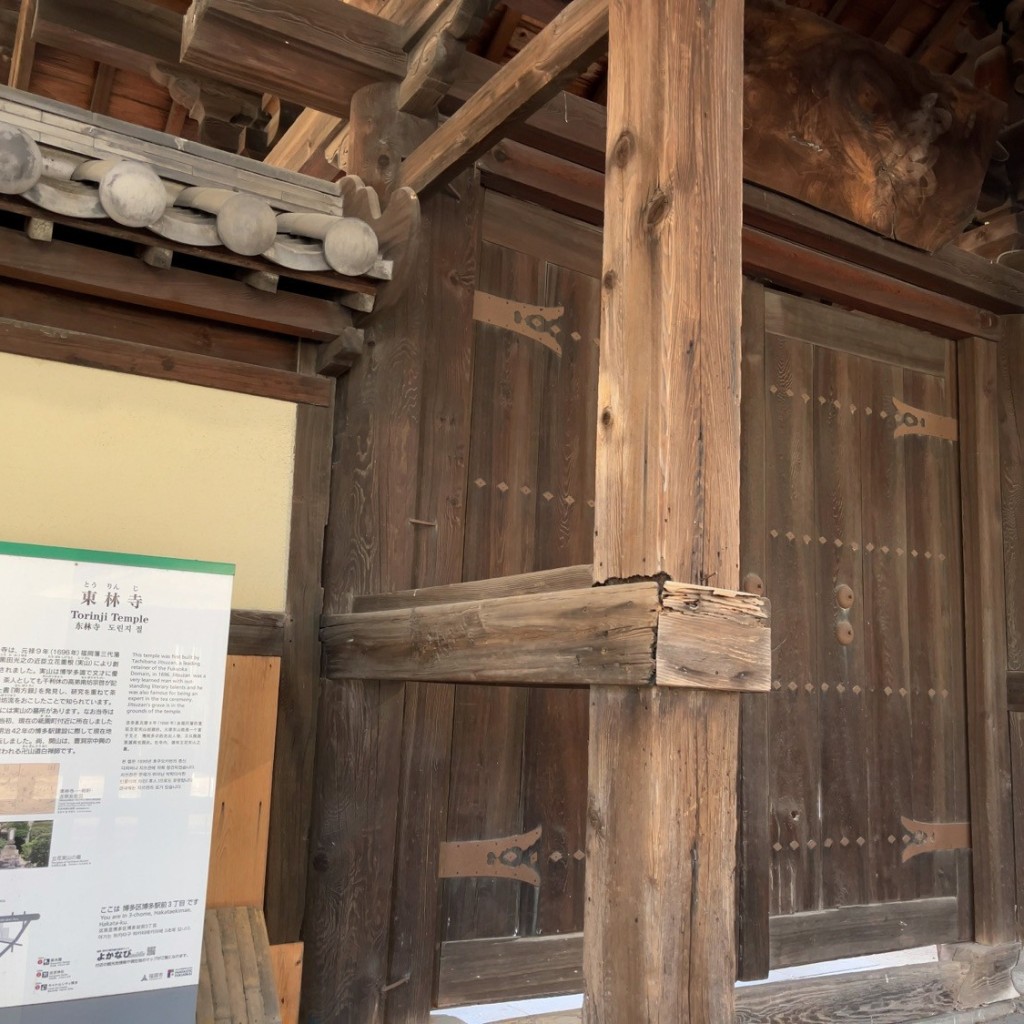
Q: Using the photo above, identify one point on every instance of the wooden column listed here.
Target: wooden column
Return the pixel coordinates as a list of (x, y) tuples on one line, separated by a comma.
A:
[(659, 941), (985, 623)]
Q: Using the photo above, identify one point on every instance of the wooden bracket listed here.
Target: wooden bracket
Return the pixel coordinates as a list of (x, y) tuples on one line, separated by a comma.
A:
[(512, 857)]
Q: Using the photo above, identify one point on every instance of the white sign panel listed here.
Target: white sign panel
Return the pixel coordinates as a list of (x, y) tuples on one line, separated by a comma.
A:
[(111, 681)]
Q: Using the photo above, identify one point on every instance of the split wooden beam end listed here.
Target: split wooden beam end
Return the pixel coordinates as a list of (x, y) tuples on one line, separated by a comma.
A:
[(714, 639)]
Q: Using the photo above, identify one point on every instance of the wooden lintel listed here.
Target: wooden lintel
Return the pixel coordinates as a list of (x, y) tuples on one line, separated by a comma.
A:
[(317, 52), (561, 638), (67, 346), (256, 633), (526, 82), (714, 640)]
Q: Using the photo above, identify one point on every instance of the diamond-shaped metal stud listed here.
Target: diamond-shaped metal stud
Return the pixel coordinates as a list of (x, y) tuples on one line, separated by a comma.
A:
[(794, 845), (861, 840), (773, 533), (828, 844), (844, 841), (791, 536), (811, 844), (840, 688), (888, 691), (824, 687), (891, 839), (792, 687), (776, 847), (903, 691), (480, 482), (856, 690), (931, 694), (524, 490), (547, 495), (503, 487), (870, 547), (570, 500)]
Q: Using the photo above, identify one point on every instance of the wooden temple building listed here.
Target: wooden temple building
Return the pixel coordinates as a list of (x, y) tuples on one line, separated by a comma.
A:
[(651, 542)]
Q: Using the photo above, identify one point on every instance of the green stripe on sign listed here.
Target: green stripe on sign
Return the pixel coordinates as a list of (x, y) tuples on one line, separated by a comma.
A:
[(115, 558)]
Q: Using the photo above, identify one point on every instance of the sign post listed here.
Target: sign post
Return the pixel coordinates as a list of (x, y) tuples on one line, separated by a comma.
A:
[(111, 683)]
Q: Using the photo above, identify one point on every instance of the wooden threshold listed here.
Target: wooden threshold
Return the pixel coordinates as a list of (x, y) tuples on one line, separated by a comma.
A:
[(488, 970), (822, 935)]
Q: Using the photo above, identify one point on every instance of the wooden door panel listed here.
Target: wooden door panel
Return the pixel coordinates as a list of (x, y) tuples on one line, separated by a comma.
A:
[(866, 716), (520, 755)]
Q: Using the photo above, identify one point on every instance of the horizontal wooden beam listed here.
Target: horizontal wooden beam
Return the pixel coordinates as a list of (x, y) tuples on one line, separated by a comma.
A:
[(91, 271), (130, 35), (577, 191), (79, 349), (601, 635), (788, 263), (552, 628), (571, 41), (314, 52)]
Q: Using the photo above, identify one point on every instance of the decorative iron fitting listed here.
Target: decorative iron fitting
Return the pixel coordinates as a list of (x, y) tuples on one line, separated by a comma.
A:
[(512, 857)]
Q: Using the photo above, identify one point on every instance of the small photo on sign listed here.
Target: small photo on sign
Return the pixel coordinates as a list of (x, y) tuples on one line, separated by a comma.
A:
[(25, 844), (28, 789)]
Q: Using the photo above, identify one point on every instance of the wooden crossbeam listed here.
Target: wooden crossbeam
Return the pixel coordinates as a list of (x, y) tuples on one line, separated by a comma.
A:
[(129, 35), (317, 52), (571, 41), (520, 630), (574, 637), (102, 88)]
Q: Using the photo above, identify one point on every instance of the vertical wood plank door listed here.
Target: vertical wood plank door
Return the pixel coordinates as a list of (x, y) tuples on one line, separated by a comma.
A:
[(858, 550), (519, 755)]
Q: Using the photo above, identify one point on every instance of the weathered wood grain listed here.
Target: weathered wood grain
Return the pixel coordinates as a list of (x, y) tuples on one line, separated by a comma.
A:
[(256, 633), (571, 41), (416, 925), (823, 935), (515, 968), (288, 843), (574, 577), (877, 139), (985, 622), (754, 843), (542, 234), (1011, 449), (576, 637), (659, 937), (713, 640), (316, 53)]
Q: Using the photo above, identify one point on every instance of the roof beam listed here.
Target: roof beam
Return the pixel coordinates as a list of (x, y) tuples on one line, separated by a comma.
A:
[(102, 89), (573, 40), (127, 36), (24, 47), (313, 52)]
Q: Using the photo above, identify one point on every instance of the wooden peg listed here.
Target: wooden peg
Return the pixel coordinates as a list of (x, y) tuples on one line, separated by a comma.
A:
[(130, 192), (350, 245), (246, 224)]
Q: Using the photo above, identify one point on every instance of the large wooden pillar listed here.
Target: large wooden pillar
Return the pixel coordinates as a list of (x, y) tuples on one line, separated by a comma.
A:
[(659, 936)]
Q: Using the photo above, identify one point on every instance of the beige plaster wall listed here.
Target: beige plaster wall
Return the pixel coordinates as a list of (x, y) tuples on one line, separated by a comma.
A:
[(94, 459)]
